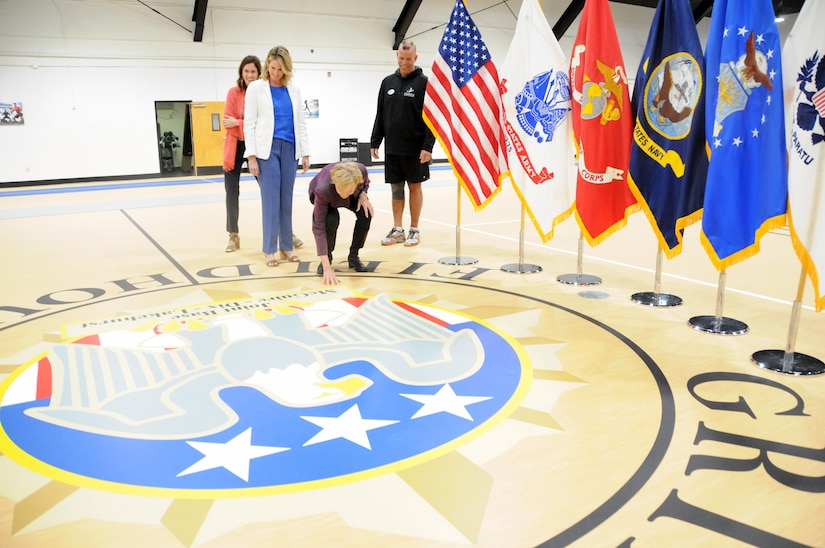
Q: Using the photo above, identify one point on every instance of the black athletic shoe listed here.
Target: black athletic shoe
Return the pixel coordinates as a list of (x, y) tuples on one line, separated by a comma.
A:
[(356, 264)]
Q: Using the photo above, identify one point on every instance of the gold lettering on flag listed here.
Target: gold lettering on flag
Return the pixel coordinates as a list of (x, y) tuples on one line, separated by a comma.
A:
[(661, 156)]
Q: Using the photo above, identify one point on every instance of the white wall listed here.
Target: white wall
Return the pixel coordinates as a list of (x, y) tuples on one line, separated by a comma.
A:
[(89, 72)]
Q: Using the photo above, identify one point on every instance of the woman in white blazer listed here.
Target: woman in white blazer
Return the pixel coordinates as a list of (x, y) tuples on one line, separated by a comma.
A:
[(275, 133)]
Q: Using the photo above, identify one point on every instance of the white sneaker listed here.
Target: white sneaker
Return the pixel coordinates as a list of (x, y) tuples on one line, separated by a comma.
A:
[(395, 236), (413, 238)]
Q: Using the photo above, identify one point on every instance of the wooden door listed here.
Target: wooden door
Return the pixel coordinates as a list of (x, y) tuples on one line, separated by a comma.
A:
[(208, 134)]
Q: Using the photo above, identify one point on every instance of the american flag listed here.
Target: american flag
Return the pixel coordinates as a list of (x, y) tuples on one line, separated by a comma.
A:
[(464, 110), (818, 101)]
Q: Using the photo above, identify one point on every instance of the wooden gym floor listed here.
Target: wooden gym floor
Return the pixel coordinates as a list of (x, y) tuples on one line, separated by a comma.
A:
[(586, 420)]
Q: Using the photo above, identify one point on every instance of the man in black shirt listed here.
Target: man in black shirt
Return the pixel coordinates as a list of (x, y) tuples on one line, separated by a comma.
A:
[(408, 142)]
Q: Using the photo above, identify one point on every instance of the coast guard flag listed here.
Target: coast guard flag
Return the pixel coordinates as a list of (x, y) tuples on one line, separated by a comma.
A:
[(536, 95), (668, 160), (804, 77), (463, 108), (746, 192), (602, 125)]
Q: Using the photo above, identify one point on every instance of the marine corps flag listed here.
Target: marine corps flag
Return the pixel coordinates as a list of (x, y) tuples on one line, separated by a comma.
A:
[(746, 192), (536, 96), (668, 160), (804, 77), (602, 125)]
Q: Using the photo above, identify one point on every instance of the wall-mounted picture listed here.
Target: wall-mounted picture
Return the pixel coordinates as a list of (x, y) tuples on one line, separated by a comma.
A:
[(11, 113), (310, 108)]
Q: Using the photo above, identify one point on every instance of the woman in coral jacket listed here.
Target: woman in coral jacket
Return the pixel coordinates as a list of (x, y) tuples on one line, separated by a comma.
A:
[(233, 148), (276, 135)]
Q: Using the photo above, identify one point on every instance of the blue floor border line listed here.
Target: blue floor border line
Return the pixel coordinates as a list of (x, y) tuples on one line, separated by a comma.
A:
[(67, 189)]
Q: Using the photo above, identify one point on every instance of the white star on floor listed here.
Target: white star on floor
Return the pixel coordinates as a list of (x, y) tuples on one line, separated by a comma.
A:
[(234, 455), (445, 400), (350, 426)]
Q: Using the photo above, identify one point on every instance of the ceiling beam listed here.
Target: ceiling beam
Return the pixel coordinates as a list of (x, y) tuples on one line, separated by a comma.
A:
[(567, 18), (199, 16), (701, 9), (785, 7), (405, 19)]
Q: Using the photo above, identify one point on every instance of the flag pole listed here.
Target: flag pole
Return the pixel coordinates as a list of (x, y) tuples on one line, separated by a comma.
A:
[(719, 324), (656, 298), (787, 361), (458, 259), (521, 267), (578, 278)]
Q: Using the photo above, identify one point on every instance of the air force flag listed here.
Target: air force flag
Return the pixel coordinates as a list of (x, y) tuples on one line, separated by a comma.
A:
[(747, 185)]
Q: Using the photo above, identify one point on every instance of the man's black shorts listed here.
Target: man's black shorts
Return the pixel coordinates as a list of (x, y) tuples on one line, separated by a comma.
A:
[(405, 169)]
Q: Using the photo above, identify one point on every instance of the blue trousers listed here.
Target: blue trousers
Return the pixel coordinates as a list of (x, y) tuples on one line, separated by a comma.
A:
[(277, 182)]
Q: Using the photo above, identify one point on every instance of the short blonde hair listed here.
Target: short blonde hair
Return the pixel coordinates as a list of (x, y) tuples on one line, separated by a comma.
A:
[(346, 176), (282, 55)]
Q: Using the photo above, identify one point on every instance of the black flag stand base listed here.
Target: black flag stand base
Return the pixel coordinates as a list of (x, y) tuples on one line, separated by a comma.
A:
[(521, 267), (578, 278), (792, 363), (457, 259), (651, 298), (787, 361), (655, 298), (719, 324)]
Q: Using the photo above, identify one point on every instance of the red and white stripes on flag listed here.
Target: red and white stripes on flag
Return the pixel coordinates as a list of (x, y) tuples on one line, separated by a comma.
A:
[(818, 101), (463, 108)]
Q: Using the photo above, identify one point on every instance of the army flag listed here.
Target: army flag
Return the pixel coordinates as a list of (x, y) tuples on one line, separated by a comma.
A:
[(746, 192), (602, 125), (463, 108), (803, 59), (538, 121), (668, 160)]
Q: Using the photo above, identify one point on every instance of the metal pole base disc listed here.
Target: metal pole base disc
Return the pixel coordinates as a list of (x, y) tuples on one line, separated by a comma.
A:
[(458, 260), (801, 364), (579, 279), (522, 268), (656, 299), (717, 325)]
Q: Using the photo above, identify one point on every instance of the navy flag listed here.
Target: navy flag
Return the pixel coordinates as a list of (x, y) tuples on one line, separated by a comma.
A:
[(746, 193), (669, 161)]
